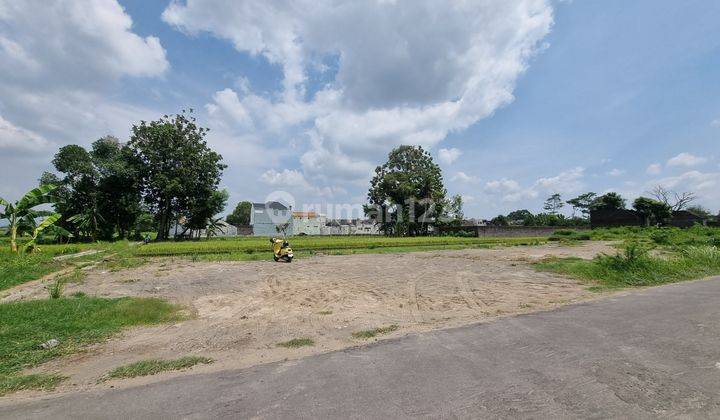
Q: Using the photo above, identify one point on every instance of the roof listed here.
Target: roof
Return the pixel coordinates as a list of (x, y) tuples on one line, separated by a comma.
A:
[(305, 214), (275, 205)]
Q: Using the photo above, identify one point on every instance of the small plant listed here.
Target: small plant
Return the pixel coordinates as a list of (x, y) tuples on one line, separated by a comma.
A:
[(55, 290), (297, 343), (365, 334), (325, 312)]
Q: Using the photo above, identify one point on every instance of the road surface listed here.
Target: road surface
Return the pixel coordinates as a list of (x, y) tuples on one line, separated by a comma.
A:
[(647, 353)]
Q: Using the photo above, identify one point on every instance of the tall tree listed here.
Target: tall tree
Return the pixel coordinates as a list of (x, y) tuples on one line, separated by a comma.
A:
[(553, 204), (241, 215), (178, 171), (652, 212), (609, 201), (407, 193), (676, 201), (583, 203)]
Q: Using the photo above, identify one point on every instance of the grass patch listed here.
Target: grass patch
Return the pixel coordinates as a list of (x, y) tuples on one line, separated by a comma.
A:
[(326, 312), (297, 343), (152, 367), (74, 321), (41, 382), (635, 266), (365, 334)]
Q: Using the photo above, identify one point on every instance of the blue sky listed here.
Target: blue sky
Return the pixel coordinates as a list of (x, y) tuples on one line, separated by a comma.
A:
[(517, 99)]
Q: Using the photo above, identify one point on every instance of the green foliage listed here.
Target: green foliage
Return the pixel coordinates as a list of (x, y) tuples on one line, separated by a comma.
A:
[(297, 343), (652, 212), (155, 366), (22, 214), (99, 192), (609, 201), (40, 382), (241, 215), (407, 194), (177, 169), (75, 322), (553, 204), (634, 266), (365, 334), (582, 202), (55, 289), (569, 235)]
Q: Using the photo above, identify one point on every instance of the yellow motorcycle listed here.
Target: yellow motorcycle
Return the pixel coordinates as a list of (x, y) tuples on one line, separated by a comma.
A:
[(281, 250)]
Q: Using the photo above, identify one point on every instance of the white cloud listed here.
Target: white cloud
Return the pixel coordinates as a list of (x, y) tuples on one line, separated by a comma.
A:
[(654, 169), (565, 182), (616, 172), (686, 159), (397, 77), (465, 178), (60, 63), (715, 122), (448, 156), (12, 137)]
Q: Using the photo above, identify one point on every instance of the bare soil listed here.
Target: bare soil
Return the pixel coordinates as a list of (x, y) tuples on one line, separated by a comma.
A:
[(241, 310)]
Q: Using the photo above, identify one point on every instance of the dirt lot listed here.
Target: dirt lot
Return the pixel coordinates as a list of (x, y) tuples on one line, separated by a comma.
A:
[(241, 310)]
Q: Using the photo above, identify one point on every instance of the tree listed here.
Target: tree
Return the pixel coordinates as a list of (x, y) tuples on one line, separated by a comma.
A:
[(700, 211), (202, 209), (676, 201), (453, 211), (178, 171), (553, 204), (407, 194), (521, 217), (652, 212), (22, 213), (499, 220), (582, 202), (241, 215), (609, 201)]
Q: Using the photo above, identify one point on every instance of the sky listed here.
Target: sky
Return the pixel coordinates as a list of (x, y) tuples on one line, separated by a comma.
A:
[(515, 99)]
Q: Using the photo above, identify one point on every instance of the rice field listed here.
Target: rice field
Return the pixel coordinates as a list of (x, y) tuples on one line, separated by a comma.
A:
[(251, 245)]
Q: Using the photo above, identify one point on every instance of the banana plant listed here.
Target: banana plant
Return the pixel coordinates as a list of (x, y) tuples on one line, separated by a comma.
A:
[(22, 213), (46, 223)]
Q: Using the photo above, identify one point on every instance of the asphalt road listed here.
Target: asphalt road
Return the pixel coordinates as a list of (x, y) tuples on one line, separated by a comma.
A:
[(648, 353)]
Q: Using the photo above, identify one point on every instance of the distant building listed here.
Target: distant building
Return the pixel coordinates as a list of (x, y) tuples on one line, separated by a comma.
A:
[(308, 223), (267, 218), (223, 229)]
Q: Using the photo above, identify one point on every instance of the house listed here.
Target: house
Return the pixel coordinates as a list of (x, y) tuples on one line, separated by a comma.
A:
[(308, 222), (268, 219)]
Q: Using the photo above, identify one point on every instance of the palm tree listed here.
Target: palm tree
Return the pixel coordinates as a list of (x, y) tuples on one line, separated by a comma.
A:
[(22, 214)]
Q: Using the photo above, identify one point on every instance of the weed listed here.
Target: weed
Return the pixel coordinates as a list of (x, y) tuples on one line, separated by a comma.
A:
[(155, 366), (297, 342), (325, 312), (365, 334), (55, 289)]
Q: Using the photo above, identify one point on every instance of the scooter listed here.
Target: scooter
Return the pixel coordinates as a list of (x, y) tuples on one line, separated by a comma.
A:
[(281, 250)]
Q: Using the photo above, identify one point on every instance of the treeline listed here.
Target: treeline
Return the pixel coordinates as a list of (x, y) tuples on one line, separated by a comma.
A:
[(165, 173), (654, 211)]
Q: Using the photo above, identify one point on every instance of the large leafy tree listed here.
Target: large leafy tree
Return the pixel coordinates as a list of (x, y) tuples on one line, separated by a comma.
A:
[(178, 171), (22, 214), (407, 194), (99, 191), (241, 215), (609, 201), (652, 212)]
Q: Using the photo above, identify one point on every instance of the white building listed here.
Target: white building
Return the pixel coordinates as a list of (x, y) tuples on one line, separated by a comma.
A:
[(308, 223)]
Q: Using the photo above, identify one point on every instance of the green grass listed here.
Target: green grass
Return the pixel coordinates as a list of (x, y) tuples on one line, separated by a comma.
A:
[(634, 266), (365, 334), (155, 366), (297, 343), (257, 245), (75, 322)]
